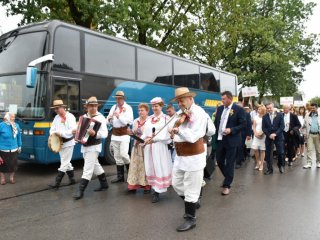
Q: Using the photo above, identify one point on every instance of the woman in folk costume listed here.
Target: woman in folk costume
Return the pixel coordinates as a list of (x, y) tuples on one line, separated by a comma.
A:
[(157, 158), (10, 147), (137, 174)]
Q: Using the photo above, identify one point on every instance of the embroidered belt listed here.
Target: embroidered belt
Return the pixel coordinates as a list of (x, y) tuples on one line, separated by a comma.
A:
[(120, 131), (185, 149)]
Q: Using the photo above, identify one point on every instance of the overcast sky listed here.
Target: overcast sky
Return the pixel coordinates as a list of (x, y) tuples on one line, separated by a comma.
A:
[(310, 86)]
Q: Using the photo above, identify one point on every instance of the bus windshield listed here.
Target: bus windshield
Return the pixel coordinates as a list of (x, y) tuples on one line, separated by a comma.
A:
[(17, 98), (17, 51)]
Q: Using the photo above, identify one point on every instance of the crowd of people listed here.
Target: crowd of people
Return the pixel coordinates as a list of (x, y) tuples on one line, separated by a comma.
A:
[(170, 149)]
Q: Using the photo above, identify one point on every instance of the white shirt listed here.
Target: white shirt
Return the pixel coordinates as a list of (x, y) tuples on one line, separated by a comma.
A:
[(102, 133), (125, 118), (64, 129), (286, 118), (224, 121), (191, 132)]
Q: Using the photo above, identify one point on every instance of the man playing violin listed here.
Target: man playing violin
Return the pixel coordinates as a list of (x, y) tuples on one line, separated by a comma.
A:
[(187, 132)]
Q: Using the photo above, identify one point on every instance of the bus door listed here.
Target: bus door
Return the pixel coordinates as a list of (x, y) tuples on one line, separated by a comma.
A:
[(68, 90)]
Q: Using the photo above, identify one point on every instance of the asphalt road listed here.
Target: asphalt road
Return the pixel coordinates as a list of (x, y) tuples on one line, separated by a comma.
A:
[(281, 206)]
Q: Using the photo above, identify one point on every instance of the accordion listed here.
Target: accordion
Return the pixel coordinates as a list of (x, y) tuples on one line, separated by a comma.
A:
[(82, 136)]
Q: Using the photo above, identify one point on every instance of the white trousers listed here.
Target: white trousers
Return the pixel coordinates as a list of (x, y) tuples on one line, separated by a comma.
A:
[(91, 165), (65, 159), (120, 150), (187, 184)]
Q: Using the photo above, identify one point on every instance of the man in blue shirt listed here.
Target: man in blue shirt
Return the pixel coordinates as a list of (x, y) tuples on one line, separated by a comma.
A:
[(312, 125)]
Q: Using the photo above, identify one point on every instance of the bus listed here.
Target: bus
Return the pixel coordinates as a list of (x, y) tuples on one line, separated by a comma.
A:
[(51, 60)]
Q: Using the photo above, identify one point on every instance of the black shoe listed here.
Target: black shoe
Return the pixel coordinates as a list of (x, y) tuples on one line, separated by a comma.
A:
[(155, 197), (146, 191), (268, 172), (71, 177), (82, 186), (290, 164), (103, 183), (238, 166), (281, 169), (190, 219), (58, 180), (120, 174)]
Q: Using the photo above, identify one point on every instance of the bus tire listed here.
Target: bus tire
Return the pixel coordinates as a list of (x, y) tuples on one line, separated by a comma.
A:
[(108, 153)]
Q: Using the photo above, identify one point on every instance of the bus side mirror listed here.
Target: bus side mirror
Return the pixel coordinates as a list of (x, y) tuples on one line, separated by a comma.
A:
[(31, 79)]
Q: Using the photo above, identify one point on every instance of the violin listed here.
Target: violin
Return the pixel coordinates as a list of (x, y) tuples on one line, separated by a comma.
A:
[(182, 118)]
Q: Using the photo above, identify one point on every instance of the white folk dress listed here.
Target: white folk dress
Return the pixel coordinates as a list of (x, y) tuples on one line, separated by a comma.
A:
[(157, 158), (258, 143)]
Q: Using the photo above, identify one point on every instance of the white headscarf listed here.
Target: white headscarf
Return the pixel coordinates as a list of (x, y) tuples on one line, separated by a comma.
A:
[(6, 119)]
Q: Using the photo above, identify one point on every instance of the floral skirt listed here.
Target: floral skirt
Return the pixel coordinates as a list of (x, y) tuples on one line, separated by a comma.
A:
[(10, 162), (137, 174)]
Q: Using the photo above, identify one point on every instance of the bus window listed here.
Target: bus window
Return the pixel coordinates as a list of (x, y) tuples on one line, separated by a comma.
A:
[(67, 49), (209, 80), (109, 58), (228, 83), (69, 93), (154, 67), (186, 74)]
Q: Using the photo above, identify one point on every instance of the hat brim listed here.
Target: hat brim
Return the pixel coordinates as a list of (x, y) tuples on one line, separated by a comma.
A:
[(86, 104), (188, 94), (62, 105), (119, 96)]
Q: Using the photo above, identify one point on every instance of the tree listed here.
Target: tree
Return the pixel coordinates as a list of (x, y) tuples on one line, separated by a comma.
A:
[(315, 100), (262, 41)]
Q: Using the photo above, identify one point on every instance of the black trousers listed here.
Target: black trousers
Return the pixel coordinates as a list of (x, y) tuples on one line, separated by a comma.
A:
[(290, 143), (226, 157), (241, 150), (280, 153)]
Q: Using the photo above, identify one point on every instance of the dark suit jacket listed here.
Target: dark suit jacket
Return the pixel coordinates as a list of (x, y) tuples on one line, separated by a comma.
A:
[(276, 127), (294, 122), (236, 122), (247, 131)]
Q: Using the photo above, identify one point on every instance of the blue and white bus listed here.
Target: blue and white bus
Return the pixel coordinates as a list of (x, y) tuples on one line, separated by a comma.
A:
[(72, 63)]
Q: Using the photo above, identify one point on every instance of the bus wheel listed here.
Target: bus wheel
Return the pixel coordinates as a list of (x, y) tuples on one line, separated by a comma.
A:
[(108, 152)]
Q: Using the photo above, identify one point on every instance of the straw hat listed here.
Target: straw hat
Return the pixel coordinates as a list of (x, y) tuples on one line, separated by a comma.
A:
[(92, 101), (182, 92), (58, 103), (119, 94)]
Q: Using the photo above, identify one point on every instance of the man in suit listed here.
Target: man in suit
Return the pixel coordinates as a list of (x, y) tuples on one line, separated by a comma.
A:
[(273, 126), (291, 129), (246, 134), (230, 120)]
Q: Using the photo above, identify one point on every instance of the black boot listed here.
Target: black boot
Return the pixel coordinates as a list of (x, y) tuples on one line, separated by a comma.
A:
[(190, 217), (82, 186), (120, 174), (71, 177), (58, 180), (198, 205), (103, 183), (155, 197), (127, 167)]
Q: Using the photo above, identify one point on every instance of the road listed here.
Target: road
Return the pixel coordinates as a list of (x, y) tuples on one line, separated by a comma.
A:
[(281, 206)]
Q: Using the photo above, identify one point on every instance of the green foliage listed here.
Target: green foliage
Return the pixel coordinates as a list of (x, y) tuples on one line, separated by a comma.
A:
[(315, 100), (262, 41)]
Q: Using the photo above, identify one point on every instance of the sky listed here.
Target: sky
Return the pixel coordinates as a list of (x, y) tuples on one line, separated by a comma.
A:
[(310, 86)]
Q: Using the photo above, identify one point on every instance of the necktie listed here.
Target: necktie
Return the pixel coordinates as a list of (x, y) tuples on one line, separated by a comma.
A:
[(222, 120), (271, 118)]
